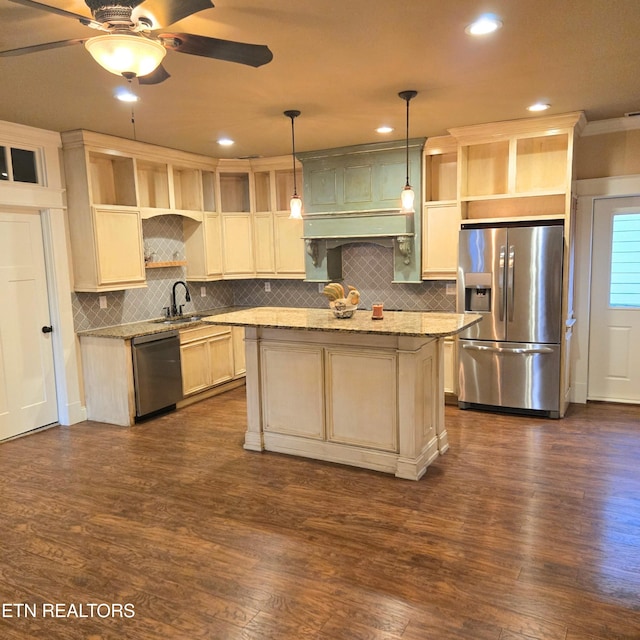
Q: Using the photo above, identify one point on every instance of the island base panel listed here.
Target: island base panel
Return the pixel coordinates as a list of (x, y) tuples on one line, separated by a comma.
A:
[(417, 434)]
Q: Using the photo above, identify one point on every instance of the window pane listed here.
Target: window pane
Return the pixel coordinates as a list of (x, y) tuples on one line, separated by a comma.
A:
[(4, 174), (624, 289), (24, 165)]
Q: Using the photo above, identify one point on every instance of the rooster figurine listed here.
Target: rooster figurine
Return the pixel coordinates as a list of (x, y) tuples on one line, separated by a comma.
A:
[(339, 300)]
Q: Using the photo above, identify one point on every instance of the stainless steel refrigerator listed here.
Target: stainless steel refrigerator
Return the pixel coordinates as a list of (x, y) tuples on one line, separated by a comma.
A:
[(512, 276)]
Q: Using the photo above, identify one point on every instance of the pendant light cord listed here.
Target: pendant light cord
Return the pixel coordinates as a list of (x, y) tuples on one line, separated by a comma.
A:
[(407, 96), (293, 155), (407, 145), (293, 114)]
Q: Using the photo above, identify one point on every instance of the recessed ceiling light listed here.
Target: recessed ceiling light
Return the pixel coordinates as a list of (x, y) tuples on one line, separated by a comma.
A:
[(538, 106), (225, 142), (487, 23), (124, 95), (384, 129)]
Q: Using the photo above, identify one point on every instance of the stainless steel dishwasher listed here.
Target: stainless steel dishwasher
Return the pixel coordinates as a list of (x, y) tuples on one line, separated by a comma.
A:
[(157, 373)]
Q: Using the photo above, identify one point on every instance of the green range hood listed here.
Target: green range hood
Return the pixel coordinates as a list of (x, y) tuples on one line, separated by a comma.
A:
[(352, 195)]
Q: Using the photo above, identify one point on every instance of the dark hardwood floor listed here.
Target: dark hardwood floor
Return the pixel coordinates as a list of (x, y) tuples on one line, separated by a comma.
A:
[(526, 529)]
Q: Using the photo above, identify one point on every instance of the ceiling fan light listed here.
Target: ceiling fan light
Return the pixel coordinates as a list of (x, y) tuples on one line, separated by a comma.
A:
[(124, 53), (295, 207)]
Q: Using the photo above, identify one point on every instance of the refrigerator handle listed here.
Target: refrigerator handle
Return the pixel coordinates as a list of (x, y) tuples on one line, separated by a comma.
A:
[(516, 350), (510, 288), (501, 284)]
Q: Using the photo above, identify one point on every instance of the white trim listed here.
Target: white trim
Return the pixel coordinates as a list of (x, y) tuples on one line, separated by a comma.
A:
[(589, 191), (48, 199), (614, 125), (613, 186)]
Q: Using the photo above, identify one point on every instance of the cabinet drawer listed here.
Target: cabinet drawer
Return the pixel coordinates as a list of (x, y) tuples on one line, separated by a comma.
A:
[(201, 333)]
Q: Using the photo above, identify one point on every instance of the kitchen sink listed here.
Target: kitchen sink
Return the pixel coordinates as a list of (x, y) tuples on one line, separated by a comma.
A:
[(179, 320)]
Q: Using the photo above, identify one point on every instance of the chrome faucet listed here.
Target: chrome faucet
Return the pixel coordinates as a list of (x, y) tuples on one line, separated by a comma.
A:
[(175, 309)]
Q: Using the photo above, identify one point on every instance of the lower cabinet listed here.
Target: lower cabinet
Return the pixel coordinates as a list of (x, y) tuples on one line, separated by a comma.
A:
[(239, 358), (450, 366), (343, 395), (207, 355)]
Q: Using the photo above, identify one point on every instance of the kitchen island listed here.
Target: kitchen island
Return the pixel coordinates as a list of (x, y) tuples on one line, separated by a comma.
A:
[(356, 391)]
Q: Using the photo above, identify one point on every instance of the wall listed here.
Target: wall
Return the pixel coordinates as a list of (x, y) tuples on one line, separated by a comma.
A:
[(366, 266), (609, 148), (607, 165), (163, 236), (47, 198)]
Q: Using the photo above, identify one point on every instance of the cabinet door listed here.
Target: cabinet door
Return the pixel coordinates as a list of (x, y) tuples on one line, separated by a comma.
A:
[(119, 249), (440, 229), (289, 245), (195, 360), (264, 253), (239, 358), (213, 244), (450, 367), (220, 358), (237, 238)]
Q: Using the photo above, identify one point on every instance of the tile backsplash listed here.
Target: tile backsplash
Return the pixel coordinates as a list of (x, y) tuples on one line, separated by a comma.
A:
[(367, 266)]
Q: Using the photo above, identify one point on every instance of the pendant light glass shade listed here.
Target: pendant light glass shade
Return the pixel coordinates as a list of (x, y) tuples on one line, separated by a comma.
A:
[(295, 204), (295, 207), (126, 53), (407, 197)]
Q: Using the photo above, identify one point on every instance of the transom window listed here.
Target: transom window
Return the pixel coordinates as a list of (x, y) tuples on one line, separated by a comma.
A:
[(18, 165), (624, 288)]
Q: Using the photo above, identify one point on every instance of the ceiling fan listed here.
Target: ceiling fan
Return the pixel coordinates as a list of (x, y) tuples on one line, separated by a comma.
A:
[(134, 42)]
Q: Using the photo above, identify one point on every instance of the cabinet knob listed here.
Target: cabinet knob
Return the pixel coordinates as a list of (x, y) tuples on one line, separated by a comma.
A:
[(47, 329)]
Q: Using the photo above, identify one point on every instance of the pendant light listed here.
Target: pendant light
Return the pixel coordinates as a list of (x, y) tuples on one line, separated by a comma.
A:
[(295, 204), (407, 196)]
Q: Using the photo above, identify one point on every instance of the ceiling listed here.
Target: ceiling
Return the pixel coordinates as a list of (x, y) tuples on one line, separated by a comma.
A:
[(341, 63)]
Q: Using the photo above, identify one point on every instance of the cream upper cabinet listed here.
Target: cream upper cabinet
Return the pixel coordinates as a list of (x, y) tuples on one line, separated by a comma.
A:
[(289, 246), (441, 211), (119, 254), (237, 245), (112, 184), (236, 220), (517, 169), (440, 232), (203, 246), (105, 227), (279, 246)]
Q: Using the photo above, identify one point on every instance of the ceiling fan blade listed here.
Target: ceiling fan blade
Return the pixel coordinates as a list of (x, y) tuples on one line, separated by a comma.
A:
[(61, 12), (254, 55), (155, 77), (165, 12), (42, 47)]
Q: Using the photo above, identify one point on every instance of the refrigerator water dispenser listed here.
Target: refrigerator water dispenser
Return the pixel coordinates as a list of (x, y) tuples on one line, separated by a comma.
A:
[(477, 292)]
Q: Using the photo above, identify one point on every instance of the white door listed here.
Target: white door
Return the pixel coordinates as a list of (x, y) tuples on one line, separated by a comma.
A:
[(614, 340), (27, 381)]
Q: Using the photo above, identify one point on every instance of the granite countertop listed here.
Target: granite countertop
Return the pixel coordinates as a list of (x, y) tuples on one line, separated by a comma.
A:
[(148, 327), (396, 323)]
